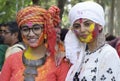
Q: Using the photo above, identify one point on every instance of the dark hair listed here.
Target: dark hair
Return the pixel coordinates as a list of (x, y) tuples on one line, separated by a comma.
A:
[(1, 37), (63, 33), (110, 37), (3, 24), (13, 27)]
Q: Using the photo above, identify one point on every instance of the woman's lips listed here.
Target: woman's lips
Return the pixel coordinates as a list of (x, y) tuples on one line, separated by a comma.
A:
[(83, 35)]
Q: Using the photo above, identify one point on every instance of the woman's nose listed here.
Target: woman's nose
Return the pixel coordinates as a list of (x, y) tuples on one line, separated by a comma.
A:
[(82, 29), (31, 33)]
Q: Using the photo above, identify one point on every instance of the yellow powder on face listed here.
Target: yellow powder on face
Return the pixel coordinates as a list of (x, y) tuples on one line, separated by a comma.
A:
[(92, 26), (89, 37)]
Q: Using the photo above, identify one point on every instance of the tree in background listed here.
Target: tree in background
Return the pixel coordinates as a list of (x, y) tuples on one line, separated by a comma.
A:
[(117, 17), (61, 4), (35, 2)]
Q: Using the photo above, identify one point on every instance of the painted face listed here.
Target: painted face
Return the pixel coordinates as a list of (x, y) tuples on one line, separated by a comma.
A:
[(85, 30), (32, 34)]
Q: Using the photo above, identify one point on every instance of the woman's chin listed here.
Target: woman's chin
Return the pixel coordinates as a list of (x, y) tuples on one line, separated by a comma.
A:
[(33, 45)]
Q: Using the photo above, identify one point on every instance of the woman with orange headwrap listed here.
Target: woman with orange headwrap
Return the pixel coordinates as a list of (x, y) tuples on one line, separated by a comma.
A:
[(37, 62)]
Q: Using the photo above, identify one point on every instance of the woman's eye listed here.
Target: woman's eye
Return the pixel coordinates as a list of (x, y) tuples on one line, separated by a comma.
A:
[(76, 26), (25, 29), (87, 24), (37, 28)]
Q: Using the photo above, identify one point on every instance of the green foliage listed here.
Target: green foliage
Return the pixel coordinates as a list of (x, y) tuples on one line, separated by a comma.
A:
[(9, 8), (47, 3)]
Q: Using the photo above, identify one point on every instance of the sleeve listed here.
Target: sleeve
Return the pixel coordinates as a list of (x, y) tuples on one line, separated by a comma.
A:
[(52, 76), (109, 67), (62, 70), (6, 70)]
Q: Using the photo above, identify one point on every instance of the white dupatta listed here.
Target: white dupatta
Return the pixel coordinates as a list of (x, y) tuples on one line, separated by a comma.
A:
[(73, 46)]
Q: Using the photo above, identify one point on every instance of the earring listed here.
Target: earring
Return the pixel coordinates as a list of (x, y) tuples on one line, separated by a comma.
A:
[(45, 40)]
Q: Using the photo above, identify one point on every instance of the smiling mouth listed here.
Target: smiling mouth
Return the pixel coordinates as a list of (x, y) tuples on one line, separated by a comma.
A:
[(32, 40)]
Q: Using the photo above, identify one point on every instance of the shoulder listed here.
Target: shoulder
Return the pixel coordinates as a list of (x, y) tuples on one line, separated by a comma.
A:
[(108, 48), (15, 57), (12, 50), (19, 46), (109, 54)]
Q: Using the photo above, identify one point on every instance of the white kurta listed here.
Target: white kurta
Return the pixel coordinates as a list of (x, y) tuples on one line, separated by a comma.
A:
[(102, 65)]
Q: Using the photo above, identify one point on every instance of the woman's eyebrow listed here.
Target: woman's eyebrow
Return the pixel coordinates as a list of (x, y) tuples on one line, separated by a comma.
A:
[(87, 21), (76, 24)]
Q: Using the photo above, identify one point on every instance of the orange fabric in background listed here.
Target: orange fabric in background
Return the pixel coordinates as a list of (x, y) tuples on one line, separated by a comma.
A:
[(14, 68)]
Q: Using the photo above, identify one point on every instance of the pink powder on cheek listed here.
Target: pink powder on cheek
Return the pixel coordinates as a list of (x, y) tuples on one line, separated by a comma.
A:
[(76, 32), (96, 29), (95, 32), (29, 24)]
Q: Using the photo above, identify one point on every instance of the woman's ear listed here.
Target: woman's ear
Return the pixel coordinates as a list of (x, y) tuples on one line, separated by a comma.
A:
[(100, 28)]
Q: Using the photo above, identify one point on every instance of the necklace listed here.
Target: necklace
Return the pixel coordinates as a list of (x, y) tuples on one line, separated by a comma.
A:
[(88, 52), (31, 67)]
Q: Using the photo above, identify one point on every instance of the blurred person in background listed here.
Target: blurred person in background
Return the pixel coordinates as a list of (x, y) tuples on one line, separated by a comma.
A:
[(3, 48), (12, 38)]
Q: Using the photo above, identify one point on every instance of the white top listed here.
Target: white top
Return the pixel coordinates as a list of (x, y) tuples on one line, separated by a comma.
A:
[(102, 65)]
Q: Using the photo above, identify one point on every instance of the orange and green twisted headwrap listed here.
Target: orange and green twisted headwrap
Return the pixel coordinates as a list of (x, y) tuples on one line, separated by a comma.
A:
[(38, 15)]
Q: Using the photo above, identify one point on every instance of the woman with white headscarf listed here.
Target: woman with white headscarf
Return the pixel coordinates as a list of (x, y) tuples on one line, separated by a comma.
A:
[(99, 61)]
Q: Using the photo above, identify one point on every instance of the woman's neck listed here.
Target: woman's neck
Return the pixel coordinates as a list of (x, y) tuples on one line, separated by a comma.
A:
[(97, 43), (92, 46), (35, 53)]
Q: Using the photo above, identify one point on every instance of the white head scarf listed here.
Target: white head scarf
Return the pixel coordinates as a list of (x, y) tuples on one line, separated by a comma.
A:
[(73, 47), (89, 10)]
